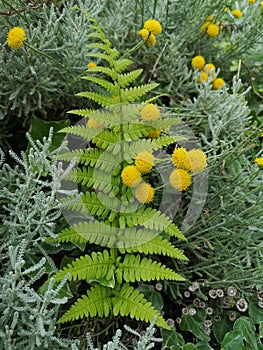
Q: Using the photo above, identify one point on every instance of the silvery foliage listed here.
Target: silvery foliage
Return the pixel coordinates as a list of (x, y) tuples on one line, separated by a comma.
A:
[(29, 214)]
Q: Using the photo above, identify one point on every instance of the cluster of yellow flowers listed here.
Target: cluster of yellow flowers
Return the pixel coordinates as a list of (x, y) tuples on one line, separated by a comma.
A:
[(131, 176), (16, 37), (211, 27), (151, 29), (206, 70), (186, 163)]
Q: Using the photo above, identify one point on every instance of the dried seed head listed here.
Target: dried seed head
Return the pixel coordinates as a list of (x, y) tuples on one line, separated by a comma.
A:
[(187, 294), (232, 316), (242, 305), (178, 320), (260, 295), (202, 304), (184, 310), (170, 322), (209, 311), (196, 302), (212, 293), (231, 291), (158, 286), (220, 293), (217, 318), (208, 323), (192, 312), (207, 330), (260, 303)]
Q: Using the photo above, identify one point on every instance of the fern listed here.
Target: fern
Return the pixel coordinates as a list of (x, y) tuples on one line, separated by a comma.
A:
[(122, 226)]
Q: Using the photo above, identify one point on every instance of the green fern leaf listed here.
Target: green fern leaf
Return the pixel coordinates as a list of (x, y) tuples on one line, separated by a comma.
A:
[(100, 46), (97, 266), (103, 56), (99, 98), (121, 64), (111, 88), (130, 302), (126, 79), (85, 156), (105, 70), (82, 112), (83, 176), (133, 268), (134, 93), (157, 245), (69, 235), (97, 302), (81, 131)]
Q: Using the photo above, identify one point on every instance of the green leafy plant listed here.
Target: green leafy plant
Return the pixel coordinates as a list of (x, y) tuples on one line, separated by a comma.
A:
[(127, 229)]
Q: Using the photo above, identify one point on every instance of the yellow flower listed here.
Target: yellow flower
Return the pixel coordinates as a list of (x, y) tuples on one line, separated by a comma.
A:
[(153, 26), (16, 37), (197, 159), (237, 13), (261, 4), (212, 30), (144, 33), (150, 112), (210, 19), (198, 62), (144, 193), (261, 135), (92, 123), (91, 65), (259, 162), (202, 77), (180, 159), (251, 1), (226, 9), (151, 40), (208, 67), (144, 161), (204, 27), (180, 179), (218, 83), (131, 176)]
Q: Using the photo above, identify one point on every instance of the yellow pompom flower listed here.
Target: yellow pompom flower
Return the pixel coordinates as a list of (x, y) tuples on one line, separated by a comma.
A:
[(151, 40), (197, 159), (205, 26), (131, 176), (201, 77), (153, 26), (144, 33), (210, 19), (261, 4), (16, 37), (237, 13), (180, 159), (144, 193), (91, 65), (180, 179), (198, 62), (212, 30), (218, 83), (92, 123), (148, 37), (208, 67), (144, 161), (259, 162), (150, 112), (251, 1)]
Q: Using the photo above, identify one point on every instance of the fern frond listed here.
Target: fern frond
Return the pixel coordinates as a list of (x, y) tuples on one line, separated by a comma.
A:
[(154, 220), (83, 176), (133, 268), (81, 131), (103, 56), (110, 87), (97, 302), (130, 302), (100, 46), (99, 98), (98, 265), (133, 131), (69, 235), (93, 205), (121, 64), (85, 156), (82, 112), (105, 70), (134, 93), (157, 245), (125, 79), (106, 138)]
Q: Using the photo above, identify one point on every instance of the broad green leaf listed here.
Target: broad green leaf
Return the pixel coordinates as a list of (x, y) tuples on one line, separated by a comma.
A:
[(246, 327), (201, 345), (255, 312), (194, 324), (233, 341), (221, 327), (171, 339)]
